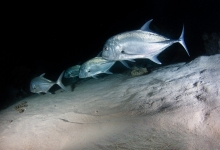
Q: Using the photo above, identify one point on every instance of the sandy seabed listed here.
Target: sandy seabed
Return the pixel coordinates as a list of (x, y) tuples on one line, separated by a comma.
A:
[(173, 107)]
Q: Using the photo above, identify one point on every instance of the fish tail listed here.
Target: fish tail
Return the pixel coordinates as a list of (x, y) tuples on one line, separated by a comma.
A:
[(181, 41), (59, 82)]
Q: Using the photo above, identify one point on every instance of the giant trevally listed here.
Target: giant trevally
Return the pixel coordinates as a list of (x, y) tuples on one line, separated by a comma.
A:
[(72, 72), (40, 84), (95, 66), (142, 43)]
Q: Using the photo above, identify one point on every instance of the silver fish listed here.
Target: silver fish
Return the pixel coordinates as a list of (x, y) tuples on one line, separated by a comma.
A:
[(122, 61), (40, 84), (142, 43), (72, 72), (95, 66)]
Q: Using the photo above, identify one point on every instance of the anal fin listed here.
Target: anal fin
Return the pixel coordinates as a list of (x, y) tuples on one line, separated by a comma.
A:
[(108, 72), (125, 64), (155, 59), (95, 77)]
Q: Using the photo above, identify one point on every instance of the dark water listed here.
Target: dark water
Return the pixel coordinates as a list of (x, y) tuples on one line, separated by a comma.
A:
[(52, 37)]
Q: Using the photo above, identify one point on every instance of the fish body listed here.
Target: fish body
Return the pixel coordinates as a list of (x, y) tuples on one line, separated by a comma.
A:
[(42, 85), (72, 72), (142, 43), (95, 66)]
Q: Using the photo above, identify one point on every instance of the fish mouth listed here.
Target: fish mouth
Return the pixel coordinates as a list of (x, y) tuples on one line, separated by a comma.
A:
[(82, 76), (105, 57)]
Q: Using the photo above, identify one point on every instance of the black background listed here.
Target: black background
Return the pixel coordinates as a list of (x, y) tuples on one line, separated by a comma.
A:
[(50, 37)]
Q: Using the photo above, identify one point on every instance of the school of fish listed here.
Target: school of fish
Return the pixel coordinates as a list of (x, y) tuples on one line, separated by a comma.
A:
[(136, 44)]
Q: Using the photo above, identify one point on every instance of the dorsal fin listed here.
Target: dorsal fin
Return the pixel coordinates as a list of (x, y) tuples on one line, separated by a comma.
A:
[(99, 54), (42, 75), (146, 26)]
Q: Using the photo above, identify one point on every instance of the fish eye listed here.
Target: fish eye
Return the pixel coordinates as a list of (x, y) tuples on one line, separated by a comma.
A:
[(105, 48), (123, 52), (88, 71)]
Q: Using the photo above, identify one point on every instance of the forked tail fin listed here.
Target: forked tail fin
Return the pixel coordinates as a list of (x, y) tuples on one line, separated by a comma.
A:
[(181, 41), (59, 82)]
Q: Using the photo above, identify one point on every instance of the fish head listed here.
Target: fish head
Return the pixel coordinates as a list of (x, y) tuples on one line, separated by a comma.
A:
[(112, 49), (85, 71), (72, 72), (33, 88), (67, 74), (40, 84), (94, 67)]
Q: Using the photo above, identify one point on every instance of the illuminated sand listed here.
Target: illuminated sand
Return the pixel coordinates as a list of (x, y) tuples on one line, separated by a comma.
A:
[(173, 107)]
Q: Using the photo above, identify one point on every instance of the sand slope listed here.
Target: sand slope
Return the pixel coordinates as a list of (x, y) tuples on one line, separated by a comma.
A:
[(173, 107)]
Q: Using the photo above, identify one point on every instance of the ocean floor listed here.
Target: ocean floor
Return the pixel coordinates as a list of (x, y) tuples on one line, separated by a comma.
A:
[(172, 107)]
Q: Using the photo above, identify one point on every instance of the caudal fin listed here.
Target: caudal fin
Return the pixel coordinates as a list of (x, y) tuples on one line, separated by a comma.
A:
[(59, 82), (181, 41)]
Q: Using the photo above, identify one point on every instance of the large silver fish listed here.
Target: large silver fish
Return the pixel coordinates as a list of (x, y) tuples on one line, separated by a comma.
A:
[(40, 84), (95, 66), (72, 72), (142, 43)]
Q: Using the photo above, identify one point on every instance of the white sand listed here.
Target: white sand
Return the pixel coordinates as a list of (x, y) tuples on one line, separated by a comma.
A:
[(173, 107)]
